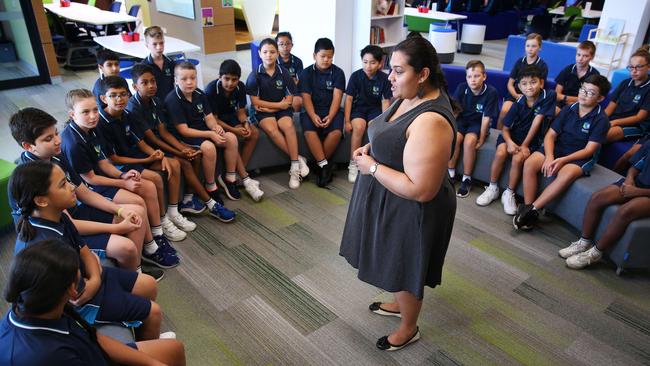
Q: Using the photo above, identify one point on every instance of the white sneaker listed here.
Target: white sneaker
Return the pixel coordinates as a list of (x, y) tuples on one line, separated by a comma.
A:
[(582, 260), (576, 247), (490, 194), (509, 202), (171, 231), (353, 171), (304, 169), (252, 187), (182, 223), (167, 335), (294, 178)]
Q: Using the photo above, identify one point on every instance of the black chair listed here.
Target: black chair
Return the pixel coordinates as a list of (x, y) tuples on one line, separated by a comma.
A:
[(81, 50), (541, 24), (562, 27)]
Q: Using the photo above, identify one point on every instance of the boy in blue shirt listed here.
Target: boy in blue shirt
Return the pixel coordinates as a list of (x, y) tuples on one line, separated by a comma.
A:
[(290, 62), (569, 152), (479, 102), (523, 127), (108, 63), (162, 65), (83, 149), (367, 95), (124, 145), (322, 85), (570, 79), (629, 106)]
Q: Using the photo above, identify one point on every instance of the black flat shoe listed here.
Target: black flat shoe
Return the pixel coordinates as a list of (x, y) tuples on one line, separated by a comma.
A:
[(375, 307), (384, 345)]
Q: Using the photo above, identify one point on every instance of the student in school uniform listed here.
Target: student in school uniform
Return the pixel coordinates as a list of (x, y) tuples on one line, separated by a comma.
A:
[(163, 66), (480, 106), (108, 63), (105, 294), (42, 328), (570, 150), (124, 145), (532, 46), (367, 95), (322, 85), (629, 105), (104, 225), (523, 128), (570, 79), (83, 149), (291, 62), (272, 90)]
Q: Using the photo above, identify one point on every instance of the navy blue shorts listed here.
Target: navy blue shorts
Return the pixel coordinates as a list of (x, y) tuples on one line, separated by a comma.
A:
[(194, 142), (277, 115), (89, 213), (126, 167), (464, 128), (585, 164), (533, 147), (643, 140), (308, 125), (509, 98), (634, 131), (230, 119), (368, 114), (106, 191), (118, 304)]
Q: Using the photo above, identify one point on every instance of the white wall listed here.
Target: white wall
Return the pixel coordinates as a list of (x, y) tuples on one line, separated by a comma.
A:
[(636, 14)]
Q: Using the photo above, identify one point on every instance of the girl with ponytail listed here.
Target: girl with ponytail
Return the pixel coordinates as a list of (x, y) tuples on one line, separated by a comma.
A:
[(41, 327)]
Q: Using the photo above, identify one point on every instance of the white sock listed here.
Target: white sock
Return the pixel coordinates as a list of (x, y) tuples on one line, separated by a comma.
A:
[(210, 203), (150, 247), (494, 185), (465, 177), (187, 198), (295, 164), (156, 230), (211, 186), (585, 241), (322, 163), (231, 177), (246, 180), (452, 172), (139, 269), (352, 162), (172, 210)]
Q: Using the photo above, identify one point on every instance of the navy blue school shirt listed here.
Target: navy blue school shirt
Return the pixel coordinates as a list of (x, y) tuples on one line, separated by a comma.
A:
[(640, 161), (270, 88), (119, 136), (630, 98), (180, 110), (475, 107), (521, 63), (321, 85), (147, 116), (368, 92), (574, 132), (164, 77), (520, 117), (222, 104), (55, 342), (83, 150), (294, 65), (97, 90), (570, 81)]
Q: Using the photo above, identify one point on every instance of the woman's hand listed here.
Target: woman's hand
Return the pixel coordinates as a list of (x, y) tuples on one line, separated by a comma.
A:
[(364, 162), (360, 151)]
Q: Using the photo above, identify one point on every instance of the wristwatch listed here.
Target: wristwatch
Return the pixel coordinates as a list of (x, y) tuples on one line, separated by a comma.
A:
[(373, 168)]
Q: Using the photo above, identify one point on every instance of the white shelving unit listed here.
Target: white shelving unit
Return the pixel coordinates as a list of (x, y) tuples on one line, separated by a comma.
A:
[(609, 53)]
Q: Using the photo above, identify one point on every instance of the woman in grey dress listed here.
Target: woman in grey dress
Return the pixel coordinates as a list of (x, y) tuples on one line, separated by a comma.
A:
[(403, 204)]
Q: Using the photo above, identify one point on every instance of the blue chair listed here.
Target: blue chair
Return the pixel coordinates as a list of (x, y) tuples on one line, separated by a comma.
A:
[(584, 33), (115, 6), (134, 13)]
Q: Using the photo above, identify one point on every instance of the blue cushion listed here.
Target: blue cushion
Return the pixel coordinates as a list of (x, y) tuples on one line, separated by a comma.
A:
[(557, 56)]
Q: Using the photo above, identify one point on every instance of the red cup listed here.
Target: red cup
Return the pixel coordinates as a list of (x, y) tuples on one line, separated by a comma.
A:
[(425, 10), (65, 3), (136, 37), (127, 37)]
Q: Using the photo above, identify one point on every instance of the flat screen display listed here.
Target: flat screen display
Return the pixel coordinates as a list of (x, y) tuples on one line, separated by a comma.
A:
[(181, 8)]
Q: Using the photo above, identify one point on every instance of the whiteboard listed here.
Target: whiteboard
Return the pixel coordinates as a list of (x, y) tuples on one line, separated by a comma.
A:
[(181, 8)]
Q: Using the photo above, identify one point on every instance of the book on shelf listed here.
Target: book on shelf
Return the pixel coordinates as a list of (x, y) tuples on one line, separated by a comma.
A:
[(377, 35)]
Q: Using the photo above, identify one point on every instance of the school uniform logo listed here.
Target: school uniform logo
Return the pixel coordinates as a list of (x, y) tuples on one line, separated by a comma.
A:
[(328, 84), (199, 107), (586, 126), (375, 90), (127, 129), (479, 107), (168, 72), (637, 98), (536, 110), (292, 71), (98, 150), (233, 103), (153, 114), (279, 84)]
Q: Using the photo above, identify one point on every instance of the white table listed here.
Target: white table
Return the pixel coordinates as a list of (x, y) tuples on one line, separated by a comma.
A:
[(83, 13), (139, 50), (437, 15), (587, 14)]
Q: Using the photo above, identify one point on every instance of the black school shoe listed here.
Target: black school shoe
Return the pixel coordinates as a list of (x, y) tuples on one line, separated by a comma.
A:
[(375, 307), (156, 273), (325, 175), (525, 218), (384, 345), (463, 190), (215, 195)]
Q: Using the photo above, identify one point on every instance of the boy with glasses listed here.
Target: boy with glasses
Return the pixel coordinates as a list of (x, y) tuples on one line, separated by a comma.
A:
[(290, 62)]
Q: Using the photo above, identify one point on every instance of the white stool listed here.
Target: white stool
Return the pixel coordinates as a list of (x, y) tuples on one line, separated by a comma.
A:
[(444, 41), (471, 39)]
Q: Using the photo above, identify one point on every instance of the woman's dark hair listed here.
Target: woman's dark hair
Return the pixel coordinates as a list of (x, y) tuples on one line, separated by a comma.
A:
[(270, 41), (376, 52), (420, 54), (39, 276), (230, 67), (28, 181)]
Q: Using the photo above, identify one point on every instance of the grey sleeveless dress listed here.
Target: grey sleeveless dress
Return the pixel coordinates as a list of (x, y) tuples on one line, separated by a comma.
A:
[(398, 244)]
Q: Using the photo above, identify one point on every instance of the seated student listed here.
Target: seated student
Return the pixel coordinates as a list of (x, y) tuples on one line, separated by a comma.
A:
[(570, 79), (290, 62), (623, 163), (41, 328), (108, 63), (532, 46), (521, 135), (569, 152), (632, 193), (480, 106), (104, 225), (322, 85), (367, 95), (271, 90), (162, 65), (108, 294), (148, 111), (82, 148), (629, 105), (123, 144), (189, 110), (227, 97)]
